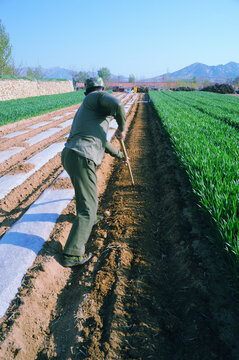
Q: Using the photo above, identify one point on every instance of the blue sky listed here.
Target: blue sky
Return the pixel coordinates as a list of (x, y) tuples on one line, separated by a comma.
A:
[(141, 37)]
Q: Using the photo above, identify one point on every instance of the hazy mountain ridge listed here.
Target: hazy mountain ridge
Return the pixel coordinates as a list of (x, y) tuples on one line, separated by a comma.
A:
[(197, 70), (202, 72), (50, 73), (62, 73)]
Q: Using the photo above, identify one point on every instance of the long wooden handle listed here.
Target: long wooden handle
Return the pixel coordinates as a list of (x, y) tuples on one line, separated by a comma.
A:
[(127, 159)]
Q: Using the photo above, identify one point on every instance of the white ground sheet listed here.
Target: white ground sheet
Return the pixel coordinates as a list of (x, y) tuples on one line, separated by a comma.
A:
[(5, 155), (20, 245), (17, 133), (9, 182)]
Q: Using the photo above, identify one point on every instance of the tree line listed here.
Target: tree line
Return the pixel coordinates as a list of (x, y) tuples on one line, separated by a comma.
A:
[(104, 73)]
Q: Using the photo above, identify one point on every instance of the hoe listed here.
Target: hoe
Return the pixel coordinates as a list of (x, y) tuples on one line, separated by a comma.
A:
[(127, 159)]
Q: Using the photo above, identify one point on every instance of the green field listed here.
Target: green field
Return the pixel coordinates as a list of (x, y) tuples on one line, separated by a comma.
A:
[(14, 110), (203, 128)]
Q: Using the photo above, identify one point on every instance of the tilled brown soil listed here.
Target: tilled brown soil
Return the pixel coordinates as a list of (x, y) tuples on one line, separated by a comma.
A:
[(156, 287)]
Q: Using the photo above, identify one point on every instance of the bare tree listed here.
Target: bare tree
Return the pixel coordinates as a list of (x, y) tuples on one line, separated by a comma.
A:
[(35, 73)]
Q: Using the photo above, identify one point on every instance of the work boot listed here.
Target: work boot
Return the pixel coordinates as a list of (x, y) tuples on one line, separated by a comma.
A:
[(73, 260)]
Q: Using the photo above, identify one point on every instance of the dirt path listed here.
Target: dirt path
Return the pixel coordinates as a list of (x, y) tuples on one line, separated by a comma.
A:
[(154, 289)]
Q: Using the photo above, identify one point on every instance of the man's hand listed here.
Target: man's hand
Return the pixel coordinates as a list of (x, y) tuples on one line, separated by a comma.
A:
[(120, 134), (125, 160)]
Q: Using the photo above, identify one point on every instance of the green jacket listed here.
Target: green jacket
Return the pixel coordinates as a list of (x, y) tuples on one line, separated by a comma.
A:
[(91, 123)]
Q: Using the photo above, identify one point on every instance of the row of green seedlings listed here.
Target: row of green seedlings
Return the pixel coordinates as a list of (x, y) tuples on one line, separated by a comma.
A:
[(14, 110), (219, 98), (215, 105), (208, 150)]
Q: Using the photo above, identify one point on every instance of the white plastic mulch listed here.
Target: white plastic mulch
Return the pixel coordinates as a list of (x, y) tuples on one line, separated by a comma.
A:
[(21, 244)]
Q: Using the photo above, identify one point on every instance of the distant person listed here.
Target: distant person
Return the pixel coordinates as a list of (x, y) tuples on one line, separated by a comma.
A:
[(83, 152)]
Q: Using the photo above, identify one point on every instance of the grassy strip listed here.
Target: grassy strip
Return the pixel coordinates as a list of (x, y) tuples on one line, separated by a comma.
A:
[(215, 130), (14, 110), (218, 98), (219, 108), (208, 149)]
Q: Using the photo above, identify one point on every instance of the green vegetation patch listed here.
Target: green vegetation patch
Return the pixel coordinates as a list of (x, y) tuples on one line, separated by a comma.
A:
[(223, 107), (208, 149), (14, 110)]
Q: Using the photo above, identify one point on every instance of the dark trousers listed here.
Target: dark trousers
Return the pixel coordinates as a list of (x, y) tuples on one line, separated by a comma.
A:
[(83, 177)]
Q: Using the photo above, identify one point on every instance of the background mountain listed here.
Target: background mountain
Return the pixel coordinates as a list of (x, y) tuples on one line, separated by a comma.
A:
[(57, 73), (219, 73), (62, 73), (51, 73)]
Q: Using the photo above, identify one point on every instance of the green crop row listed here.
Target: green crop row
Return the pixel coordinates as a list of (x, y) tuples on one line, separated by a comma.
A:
[(219, 98), (216, 105), (14, 110), (208, 150)]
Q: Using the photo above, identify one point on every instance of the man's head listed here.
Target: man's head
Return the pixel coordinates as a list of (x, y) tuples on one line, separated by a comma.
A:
[(93, 84)]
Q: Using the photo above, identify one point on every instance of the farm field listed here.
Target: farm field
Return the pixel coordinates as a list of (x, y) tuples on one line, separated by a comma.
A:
[(157, 286), (203, 130), (14, 110)]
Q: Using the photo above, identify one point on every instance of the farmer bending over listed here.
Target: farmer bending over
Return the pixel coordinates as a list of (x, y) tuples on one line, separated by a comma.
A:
[(83, 152)]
